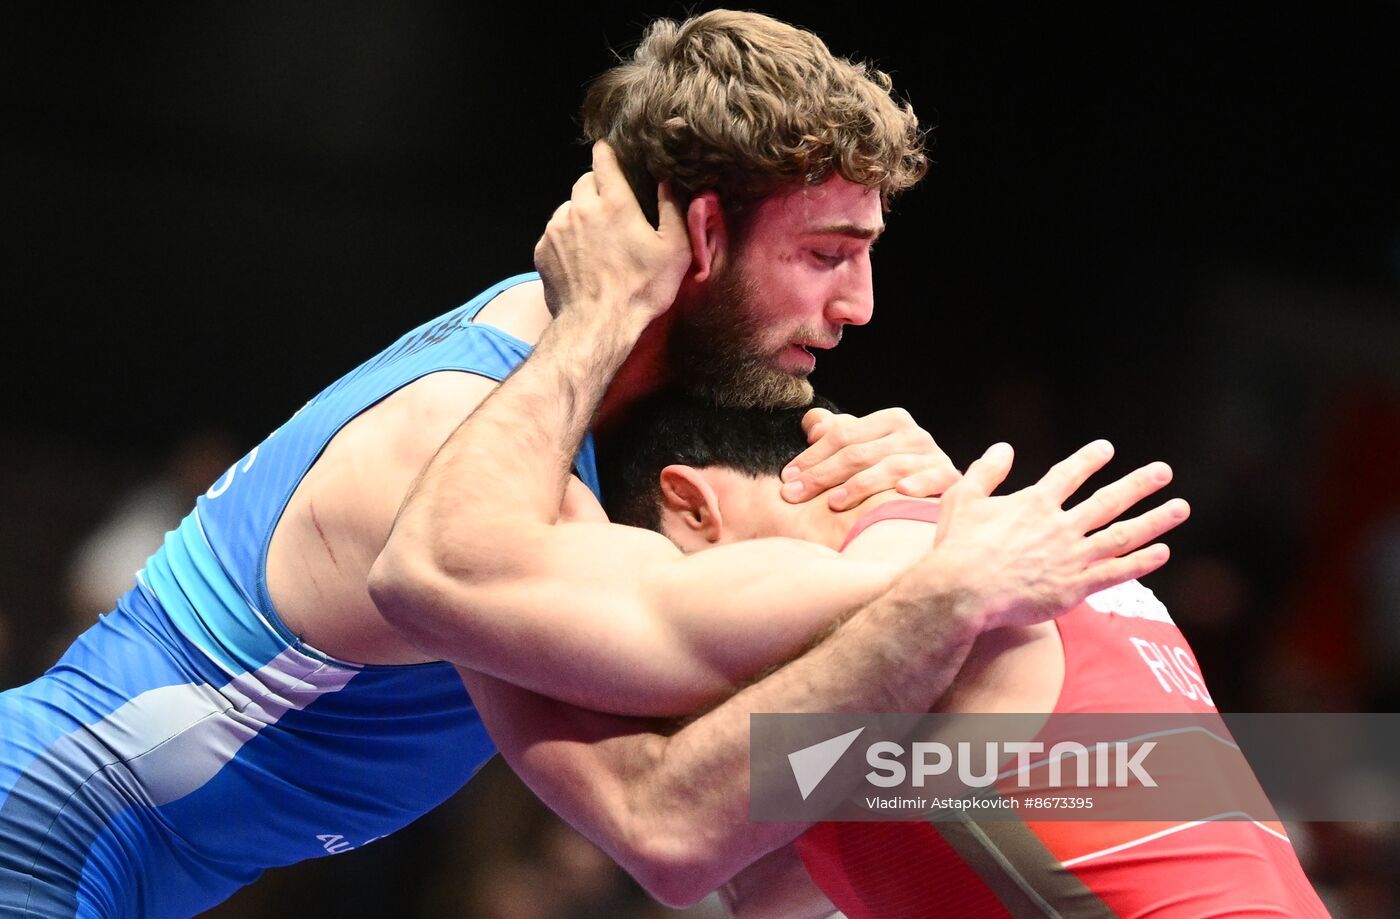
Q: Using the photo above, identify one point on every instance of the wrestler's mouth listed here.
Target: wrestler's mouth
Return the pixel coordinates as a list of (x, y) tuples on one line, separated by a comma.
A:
[(810, 346), (799, 353)]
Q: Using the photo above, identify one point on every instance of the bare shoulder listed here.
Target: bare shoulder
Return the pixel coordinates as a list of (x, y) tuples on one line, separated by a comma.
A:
[(519, 311), (897, 541), (403, 430), (782, 559), (1010, 670), (422, 414), (339, 516), (770, 549)]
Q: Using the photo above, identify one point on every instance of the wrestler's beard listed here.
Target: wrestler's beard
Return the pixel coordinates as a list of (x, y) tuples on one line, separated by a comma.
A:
[(716, 351)]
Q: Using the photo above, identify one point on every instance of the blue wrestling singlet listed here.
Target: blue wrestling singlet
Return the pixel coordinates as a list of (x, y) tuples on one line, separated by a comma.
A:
[(189, 740)]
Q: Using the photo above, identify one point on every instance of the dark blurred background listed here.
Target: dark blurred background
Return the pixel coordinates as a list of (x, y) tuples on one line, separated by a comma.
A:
[(1178, 228)]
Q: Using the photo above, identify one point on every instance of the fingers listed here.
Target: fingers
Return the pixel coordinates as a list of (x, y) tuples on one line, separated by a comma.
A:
[(1066, 476), (671, 224), (558, 219), (847, 447), (1127, 535), (605, 180), (606, 168), (611, 183), (988, 471), (929, 483), (1115, 571), (815, 423), (880, 477), (1105, 505), (829, 434), (586, 186), (840, 467)]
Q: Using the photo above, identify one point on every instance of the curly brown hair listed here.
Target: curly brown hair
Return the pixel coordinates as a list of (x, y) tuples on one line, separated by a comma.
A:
[(746, 105)]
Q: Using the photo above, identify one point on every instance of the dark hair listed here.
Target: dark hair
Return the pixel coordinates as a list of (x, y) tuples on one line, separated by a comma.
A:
[(671, 427)]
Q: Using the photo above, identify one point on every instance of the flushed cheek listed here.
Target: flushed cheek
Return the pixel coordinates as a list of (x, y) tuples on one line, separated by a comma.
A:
[(789, 297)]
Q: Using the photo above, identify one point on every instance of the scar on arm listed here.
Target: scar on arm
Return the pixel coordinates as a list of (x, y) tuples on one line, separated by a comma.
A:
[(321, 531)]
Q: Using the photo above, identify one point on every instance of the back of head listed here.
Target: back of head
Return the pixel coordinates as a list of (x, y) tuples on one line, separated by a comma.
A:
[(671, 427), (746, 105)]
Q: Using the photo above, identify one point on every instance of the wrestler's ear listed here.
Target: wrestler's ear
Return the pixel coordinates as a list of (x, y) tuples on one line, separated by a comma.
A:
[(690, 503), (709, 235)]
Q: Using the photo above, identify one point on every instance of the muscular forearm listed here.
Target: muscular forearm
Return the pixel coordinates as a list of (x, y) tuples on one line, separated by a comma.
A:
[(673, 809), (898, 654), (1014, 560)]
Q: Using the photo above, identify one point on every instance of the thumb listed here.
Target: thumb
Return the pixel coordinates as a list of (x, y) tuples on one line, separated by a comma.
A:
[(989, 470), (671, 217), (814, 423)]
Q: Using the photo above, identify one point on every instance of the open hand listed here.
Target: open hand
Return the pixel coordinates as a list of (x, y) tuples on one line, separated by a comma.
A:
[(1024, 558)]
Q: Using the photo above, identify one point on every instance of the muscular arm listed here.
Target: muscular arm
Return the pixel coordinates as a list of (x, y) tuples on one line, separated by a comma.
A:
[(479, 570), (673, 808), (617, 619)]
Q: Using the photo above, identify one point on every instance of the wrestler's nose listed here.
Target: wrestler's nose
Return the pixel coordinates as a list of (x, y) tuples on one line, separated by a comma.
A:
[(853, 302)]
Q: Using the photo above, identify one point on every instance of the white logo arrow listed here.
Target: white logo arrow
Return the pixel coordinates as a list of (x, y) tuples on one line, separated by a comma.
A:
[(811, 764)]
